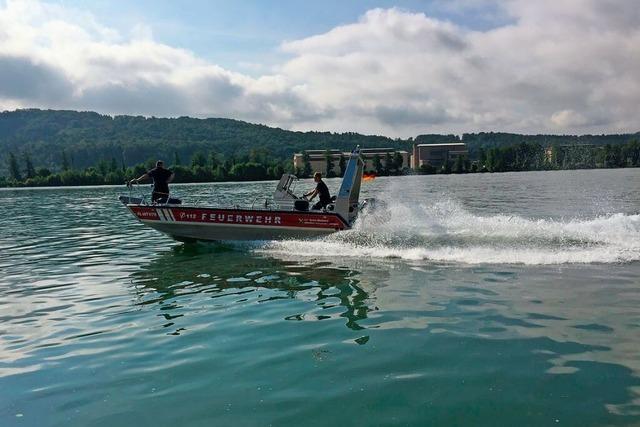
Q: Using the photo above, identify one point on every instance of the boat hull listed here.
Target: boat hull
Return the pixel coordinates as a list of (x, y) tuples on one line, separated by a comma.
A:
[(186, 223)]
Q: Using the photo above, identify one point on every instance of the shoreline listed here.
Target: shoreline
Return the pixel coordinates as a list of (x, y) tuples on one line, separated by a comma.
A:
[(179, 184)]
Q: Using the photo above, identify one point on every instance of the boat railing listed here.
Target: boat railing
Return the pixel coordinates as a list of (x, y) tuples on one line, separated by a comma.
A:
[(142, 197), (266, 201)]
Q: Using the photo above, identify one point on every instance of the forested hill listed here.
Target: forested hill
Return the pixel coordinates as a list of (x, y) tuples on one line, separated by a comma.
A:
[(49, 137), (86, 138)]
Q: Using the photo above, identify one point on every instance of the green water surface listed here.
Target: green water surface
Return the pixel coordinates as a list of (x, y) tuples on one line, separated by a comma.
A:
[(498, 300)]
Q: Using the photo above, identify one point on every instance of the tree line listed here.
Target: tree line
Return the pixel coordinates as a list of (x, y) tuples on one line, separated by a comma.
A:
[(39, 147), (89, 137), (258, 165), (534, 156)]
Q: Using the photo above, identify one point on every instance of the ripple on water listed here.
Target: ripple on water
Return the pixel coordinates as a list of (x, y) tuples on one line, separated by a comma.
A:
[(514, 306)]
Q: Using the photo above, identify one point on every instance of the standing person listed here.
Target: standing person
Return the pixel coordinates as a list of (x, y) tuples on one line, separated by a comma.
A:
[(161, 178), (322, 190)]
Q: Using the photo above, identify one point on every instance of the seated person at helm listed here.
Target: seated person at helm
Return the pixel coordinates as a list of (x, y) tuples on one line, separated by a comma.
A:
[(322, 190), (161, 178)]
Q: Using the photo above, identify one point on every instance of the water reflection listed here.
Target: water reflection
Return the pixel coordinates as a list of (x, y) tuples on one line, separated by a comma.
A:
[(101, 323), (232, 272)]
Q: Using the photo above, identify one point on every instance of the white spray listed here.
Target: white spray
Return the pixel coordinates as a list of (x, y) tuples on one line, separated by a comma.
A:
[(444, 231)]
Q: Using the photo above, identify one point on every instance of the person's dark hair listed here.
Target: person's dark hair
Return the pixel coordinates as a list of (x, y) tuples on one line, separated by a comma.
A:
[(159, 163), (317, 175)]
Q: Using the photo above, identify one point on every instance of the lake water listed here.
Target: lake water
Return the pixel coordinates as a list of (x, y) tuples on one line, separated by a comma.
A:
[(493, 299)]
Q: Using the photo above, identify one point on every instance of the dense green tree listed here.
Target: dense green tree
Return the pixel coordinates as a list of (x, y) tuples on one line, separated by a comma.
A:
[(213, 160), (54, 180), (221, 173), (14, 169), (65, 161), (306, 162), (72, 177), (102, 167), (138, 170), (249, 171), (328, 157), (114, 177), (275, 171), (458, 165), (426, 169), (183, 173), (200, 174), (258, 155), (490, 162), (43, 172), (289, 167), (342, 164), (446, 167), (198, 159), (29, 170), (482, 157), (388, 164), (631, 153), (229, 162), (377, 165), (150, 163), (398, 162)]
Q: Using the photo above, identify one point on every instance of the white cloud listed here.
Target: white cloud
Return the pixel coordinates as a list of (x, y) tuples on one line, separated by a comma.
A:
[(54, 57), (510, 78), (570, 66), (567, 118)]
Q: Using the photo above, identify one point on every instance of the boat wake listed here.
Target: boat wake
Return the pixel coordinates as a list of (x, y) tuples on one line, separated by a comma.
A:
[(445, 232)]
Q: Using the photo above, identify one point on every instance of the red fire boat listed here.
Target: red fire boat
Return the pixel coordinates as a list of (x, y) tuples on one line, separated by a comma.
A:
[(290, 216)]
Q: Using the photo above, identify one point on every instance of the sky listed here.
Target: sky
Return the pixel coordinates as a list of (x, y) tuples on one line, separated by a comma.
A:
[(395, 68)]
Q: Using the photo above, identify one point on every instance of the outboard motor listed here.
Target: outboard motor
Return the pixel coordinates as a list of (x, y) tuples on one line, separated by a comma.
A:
[(331, 206)]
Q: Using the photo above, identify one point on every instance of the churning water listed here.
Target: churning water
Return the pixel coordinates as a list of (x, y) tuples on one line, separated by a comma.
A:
[(495, 299), (443, 230)]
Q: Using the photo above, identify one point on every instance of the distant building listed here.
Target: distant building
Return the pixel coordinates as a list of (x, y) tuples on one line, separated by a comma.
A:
[(317, 159), (368, 155), (436, 154)]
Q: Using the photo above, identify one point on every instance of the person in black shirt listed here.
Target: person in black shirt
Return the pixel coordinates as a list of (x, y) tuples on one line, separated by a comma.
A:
[(322, 190), (161, 178)]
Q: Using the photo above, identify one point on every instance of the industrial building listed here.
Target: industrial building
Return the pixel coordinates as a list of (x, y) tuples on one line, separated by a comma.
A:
[(318, 160), (436, 154)]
